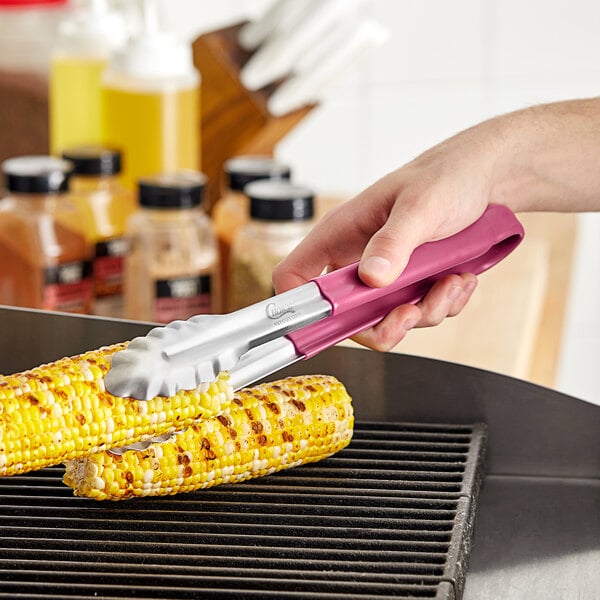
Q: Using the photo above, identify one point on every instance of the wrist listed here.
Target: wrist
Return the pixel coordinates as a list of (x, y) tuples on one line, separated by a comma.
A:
[(547, 156)]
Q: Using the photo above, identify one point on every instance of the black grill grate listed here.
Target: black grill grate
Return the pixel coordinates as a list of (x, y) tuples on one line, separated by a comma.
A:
[(390, 516)]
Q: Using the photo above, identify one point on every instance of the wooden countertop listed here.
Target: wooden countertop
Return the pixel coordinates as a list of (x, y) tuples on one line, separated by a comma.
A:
[(513, 323)]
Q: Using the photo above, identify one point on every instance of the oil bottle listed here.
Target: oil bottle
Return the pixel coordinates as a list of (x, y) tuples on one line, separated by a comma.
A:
[(151, 98), (86, 40)]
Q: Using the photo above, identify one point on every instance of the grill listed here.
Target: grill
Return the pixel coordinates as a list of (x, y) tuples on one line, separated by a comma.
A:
[(390, 516), (538, 513)]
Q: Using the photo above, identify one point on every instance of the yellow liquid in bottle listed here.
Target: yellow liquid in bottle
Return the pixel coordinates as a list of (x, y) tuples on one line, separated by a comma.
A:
[(157, 131), (75, 102)]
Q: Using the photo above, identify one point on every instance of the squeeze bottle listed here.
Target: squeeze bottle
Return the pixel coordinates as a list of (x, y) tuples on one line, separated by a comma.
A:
[(151, 95)]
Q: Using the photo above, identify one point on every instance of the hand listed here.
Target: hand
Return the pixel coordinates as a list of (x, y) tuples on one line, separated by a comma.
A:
[(540, 158), (433, 197)]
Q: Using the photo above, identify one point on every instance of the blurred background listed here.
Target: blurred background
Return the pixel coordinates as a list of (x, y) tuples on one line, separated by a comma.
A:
[(431, 69)]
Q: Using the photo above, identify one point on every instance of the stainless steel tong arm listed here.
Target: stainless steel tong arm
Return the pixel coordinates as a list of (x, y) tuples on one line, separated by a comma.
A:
[(183, 354)]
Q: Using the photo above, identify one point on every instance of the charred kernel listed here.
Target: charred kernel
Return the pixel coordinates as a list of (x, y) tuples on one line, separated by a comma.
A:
[(274, 408), (237, 402), (129, 478), (299, 405), (256, 426), (210, 455), (287, 436), (205, 444), (224, 420), (261, 439), (232, 433)]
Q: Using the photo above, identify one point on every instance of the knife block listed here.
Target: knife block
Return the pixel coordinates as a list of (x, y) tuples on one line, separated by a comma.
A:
[(234, 120)]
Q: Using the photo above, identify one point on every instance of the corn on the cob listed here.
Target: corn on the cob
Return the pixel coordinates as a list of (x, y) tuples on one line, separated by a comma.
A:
[(61, 411), (267, 428)]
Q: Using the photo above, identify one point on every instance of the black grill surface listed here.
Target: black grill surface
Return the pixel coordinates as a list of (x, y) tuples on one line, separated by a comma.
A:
[(391, 516)]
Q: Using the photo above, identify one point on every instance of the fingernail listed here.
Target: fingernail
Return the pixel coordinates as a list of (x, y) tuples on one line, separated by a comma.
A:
[(409, 324), (376, 266), (454, 292)]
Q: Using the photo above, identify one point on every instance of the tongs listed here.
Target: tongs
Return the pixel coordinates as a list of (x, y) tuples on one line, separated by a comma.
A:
[(260, 339)]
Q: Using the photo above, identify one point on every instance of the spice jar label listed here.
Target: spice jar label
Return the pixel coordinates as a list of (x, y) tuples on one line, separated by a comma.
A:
[(108, 266), (68, 287), (182, 298)]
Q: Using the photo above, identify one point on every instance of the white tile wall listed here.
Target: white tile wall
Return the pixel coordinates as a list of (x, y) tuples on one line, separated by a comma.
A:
[(448, 65)]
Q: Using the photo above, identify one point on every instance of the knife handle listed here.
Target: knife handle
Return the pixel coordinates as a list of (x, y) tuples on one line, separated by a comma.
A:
[(357, 306)]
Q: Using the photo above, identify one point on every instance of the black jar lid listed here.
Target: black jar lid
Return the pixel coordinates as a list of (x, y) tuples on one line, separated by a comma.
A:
[(272, 200), (172, 190), (94, 160), (242, 170), (36, 174)]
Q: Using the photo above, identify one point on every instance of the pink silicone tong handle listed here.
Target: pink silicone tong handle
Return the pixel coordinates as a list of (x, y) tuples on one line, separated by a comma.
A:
[(357, 307)]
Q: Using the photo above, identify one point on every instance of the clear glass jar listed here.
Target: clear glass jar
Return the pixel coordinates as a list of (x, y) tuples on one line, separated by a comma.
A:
[(172, 264), (281, 215), (96, 191), (45, 258), (232, 211)]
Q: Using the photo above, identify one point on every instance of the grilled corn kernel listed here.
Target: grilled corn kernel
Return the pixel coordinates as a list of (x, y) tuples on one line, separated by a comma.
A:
[(267, 428), (61, 411)]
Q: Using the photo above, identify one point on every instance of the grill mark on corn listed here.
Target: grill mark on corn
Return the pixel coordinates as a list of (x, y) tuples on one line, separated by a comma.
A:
[(299, 404), (274, 408), (224, 420)]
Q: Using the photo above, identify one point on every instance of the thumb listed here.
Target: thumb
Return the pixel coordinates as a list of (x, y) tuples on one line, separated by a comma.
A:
[(388, 251)]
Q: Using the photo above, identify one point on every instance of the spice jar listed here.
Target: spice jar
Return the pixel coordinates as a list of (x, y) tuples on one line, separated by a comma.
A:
[(45, 259), (281, 216), (96, 192), (173, 259), (231, 211)]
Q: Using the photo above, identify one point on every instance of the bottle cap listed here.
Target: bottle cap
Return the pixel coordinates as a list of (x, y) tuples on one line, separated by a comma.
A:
[(242, 170), (154, 53), (94, 160), (37, 174), (177, 190), (273, 200)]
